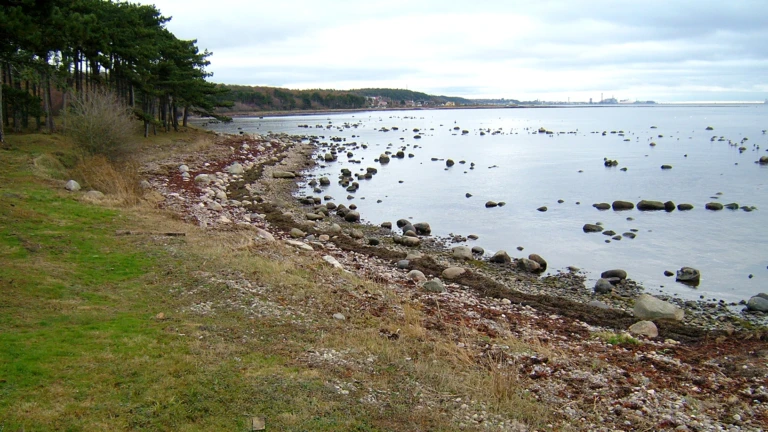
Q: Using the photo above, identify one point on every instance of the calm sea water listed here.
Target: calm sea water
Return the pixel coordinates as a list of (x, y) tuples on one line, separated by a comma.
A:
[(530, 170)]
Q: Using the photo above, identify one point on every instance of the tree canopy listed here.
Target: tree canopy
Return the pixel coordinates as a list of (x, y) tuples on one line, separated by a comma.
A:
[(79, 46)]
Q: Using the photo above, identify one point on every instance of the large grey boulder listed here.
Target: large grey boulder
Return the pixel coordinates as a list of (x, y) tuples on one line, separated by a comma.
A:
[(72, 186), (758, 303), (501, 257), (462, 253), (648, 307)]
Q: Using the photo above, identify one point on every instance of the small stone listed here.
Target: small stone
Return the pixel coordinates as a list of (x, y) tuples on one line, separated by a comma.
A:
[(333, 262), (417, 276), (339, 317), (603, 286), (644, 328), (434, 285)]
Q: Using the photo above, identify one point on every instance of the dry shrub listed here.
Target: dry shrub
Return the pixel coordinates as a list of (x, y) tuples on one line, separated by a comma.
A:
[(99, 124), (120, 181)]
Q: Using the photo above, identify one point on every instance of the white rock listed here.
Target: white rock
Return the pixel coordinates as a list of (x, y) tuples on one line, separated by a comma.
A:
[(235, 169), (215, 206), (203, 179), (263, 234), (72, 186), (333, 261), (298, 244), (183, 168)]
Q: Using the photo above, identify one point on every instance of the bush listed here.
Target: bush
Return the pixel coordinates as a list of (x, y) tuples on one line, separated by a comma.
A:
[(99, 124)]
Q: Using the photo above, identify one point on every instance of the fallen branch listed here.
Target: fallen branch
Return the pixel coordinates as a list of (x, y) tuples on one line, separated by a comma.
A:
[(167, 234)]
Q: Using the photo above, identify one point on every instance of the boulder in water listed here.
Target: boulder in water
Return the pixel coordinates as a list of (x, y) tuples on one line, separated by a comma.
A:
[(688, 276)]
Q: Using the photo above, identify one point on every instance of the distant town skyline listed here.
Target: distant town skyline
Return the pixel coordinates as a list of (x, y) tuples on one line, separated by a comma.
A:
[(549, 50)]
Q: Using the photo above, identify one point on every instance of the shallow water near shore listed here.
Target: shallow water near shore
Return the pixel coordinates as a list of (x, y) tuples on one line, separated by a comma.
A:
[(527, 170)]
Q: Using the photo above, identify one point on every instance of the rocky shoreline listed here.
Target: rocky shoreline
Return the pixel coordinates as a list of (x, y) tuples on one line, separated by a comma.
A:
[(246, 182)]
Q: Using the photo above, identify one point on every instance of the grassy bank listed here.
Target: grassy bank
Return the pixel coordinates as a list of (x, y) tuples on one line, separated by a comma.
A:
[(206, 331)]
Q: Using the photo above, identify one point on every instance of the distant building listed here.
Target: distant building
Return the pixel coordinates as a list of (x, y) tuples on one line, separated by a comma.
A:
[(450, 104)]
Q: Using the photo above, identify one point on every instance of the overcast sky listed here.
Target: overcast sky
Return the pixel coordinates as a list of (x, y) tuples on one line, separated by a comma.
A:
[(672, 50)]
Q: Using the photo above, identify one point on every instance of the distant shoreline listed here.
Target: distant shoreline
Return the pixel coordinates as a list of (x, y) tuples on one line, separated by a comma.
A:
[(384, 110)]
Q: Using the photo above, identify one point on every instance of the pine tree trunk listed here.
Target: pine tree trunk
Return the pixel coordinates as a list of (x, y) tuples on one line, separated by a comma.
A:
[(186, 115), (175, 117), (65, 107), (48, 105), (38, 121), (2, 80)]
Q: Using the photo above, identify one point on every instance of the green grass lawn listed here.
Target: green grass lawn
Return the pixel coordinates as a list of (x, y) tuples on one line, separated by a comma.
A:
[(80, 348)]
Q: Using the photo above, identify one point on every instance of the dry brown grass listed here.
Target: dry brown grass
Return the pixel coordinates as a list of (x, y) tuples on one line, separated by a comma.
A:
[(119, 180)]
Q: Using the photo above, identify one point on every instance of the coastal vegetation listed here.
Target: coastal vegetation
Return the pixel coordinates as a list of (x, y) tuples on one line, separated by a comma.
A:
[(54, 51), (259, 98)]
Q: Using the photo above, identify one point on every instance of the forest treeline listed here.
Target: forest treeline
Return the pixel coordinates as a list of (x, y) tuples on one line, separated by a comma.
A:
[(260, 98), (72, 47), (247, 98)]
